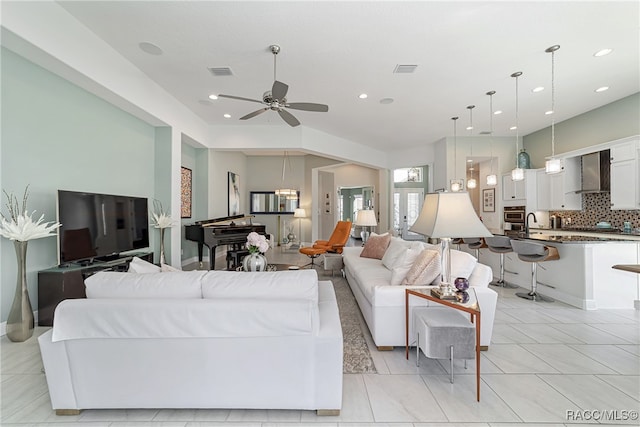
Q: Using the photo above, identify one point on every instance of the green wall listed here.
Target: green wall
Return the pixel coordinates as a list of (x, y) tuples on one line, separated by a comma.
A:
[(613, 121), (195, 159), (58, 136)]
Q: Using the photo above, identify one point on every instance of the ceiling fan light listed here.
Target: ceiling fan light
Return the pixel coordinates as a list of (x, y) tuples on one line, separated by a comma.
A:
[(552, 166), (517, 174), (492, 179)]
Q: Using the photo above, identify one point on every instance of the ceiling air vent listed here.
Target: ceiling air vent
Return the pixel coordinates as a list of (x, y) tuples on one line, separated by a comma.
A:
[(404, 69), (221, 71)]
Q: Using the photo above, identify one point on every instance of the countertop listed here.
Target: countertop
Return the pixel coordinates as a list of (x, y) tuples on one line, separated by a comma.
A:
[(568, 235)]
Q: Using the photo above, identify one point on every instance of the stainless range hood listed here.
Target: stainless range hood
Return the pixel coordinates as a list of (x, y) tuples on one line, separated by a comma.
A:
[(596, 172)]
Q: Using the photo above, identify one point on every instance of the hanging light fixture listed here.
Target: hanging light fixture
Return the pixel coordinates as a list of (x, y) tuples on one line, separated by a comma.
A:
[(492, 178), (517, 174), (553, 165), (288, 193), (456, 184), (471, 181)]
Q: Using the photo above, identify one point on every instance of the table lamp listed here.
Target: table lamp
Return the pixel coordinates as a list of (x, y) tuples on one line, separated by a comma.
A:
[(366, 218), (299, 213), (445, 216)]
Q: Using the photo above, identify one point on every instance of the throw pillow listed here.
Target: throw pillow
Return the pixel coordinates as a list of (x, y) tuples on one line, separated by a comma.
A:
[(403, 265), (395, 251), (376, 246), (165, 268), (425, 269), (138, 265)]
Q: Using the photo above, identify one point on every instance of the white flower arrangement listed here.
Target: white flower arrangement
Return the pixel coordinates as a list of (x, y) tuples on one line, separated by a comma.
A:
[(20, 226), (257, 243), (161, 219)]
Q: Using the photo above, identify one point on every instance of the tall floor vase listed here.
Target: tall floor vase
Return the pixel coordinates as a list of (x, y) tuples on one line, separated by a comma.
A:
[(20, 321), (162, 260)]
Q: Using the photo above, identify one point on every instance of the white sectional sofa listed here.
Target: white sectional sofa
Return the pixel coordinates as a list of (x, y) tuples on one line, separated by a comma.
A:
[(383, 304), (215, 339)]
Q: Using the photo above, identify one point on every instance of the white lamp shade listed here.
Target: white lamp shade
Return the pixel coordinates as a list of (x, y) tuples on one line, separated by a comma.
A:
[(471, 183), (553, 165), (299, 213), (366, 218), (517, 174), (449, 215)]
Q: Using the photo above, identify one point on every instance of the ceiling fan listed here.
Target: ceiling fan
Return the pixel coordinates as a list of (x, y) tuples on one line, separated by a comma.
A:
[(276, 99)]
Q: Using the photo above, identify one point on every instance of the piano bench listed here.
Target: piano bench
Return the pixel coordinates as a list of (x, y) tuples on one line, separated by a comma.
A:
[(234, 258)]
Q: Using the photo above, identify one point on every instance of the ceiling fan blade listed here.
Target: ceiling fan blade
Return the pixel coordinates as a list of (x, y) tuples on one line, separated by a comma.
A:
[(289, 118), (308, 106), (255, 113), (279, 90), (239, 98)]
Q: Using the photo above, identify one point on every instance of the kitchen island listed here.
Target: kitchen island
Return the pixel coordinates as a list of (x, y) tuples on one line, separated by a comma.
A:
[(583, 276)]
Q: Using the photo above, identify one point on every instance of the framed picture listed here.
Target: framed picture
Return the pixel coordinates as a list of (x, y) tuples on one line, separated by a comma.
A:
[(488, 200), (233, 183), (185, 192)]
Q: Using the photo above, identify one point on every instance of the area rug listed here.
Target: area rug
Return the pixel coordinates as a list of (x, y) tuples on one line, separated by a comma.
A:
[(357, 358)]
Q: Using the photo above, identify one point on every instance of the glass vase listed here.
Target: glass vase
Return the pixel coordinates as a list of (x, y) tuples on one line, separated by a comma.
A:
[(254, 262), (524, 162), (20, 320)]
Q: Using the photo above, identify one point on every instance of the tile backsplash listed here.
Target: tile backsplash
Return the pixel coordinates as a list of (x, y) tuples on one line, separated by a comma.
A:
[(596, 207)]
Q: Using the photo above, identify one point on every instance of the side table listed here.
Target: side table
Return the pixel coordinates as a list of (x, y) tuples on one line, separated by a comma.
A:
[(471, 306)]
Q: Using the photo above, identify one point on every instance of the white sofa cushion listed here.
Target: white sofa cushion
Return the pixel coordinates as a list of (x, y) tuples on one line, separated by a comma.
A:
[(109, 284), (276, 285)]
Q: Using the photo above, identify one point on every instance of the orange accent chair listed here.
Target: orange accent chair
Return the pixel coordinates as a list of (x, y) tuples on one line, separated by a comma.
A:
[(336, 242)]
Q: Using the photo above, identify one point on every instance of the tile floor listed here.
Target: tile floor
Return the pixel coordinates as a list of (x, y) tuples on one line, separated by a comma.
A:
[(549, 364)]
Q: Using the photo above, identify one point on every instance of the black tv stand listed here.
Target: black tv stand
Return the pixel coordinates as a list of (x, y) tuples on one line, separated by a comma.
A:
[(67, 281)]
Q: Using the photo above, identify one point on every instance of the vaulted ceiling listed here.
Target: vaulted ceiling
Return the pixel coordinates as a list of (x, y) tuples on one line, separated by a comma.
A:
[(333, 51)]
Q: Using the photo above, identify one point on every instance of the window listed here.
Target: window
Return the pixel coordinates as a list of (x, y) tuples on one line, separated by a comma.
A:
[(413, 174)]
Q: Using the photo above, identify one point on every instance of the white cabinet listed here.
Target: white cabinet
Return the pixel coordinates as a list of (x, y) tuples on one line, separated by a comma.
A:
[(520, 193), (557, 192), (625, 166)]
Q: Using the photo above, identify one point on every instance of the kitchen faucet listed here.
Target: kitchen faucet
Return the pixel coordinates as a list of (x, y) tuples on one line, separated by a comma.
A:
[(526, 223)]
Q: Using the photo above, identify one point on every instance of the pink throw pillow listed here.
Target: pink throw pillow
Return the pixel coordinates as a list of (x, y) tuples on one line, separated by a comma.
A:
[(376, 246), (425, 269)]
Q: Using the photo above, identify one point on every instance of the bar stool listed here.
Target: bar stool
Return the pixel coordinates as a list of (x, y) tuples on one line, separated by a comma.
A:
[(457, 242), (534, 253), (476, 243), (500, 245)]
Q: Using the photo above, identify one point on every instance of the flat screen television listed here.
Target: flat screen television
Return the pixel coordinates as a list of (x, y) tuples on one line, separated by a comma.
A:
[(100, 226)]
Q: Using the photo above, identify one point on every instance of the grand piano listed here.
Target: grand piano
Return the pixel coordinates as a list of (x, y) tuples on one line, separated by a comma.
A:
[(220, 231)]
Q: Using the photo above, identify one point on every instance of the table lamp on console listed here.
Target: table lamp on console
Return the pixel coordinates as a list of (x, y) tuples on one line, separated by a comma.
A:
[(366, 218), (445, 216)]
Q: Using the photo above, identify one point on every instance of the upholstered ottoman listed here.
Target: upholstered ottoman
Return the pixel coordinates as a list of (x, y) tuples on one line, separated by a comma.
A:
[(333, 262), (443, 333)]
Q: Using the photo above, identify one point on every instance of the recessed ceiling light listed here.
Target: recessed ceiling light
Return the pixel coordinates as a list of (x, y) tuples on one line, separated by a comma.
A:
[(497, 112), (548, 113), (469, 161), (363, 96), (537, 89), (513, 128), (212, 96), (227, 116), (602, 52), (386, 100), (602, 89), (469, 127), (150, 48)]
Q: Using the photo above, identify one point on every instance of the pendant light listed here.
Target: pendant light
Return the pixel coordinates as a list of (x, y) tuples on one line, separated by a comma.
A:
[(286, 192), (517, 174), (471, 181), (492, 178), (456, 184), (553, 165)]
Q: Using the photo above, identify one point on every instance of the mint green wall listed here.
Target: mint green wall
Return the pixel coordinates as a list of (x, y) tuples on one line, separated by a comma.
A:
[(57, 136), (195, 159), (613, 121)]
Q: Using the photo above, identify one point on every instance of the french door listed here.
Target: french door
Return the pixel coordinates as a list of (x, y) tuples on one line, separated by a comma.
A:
[(407, 203)]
